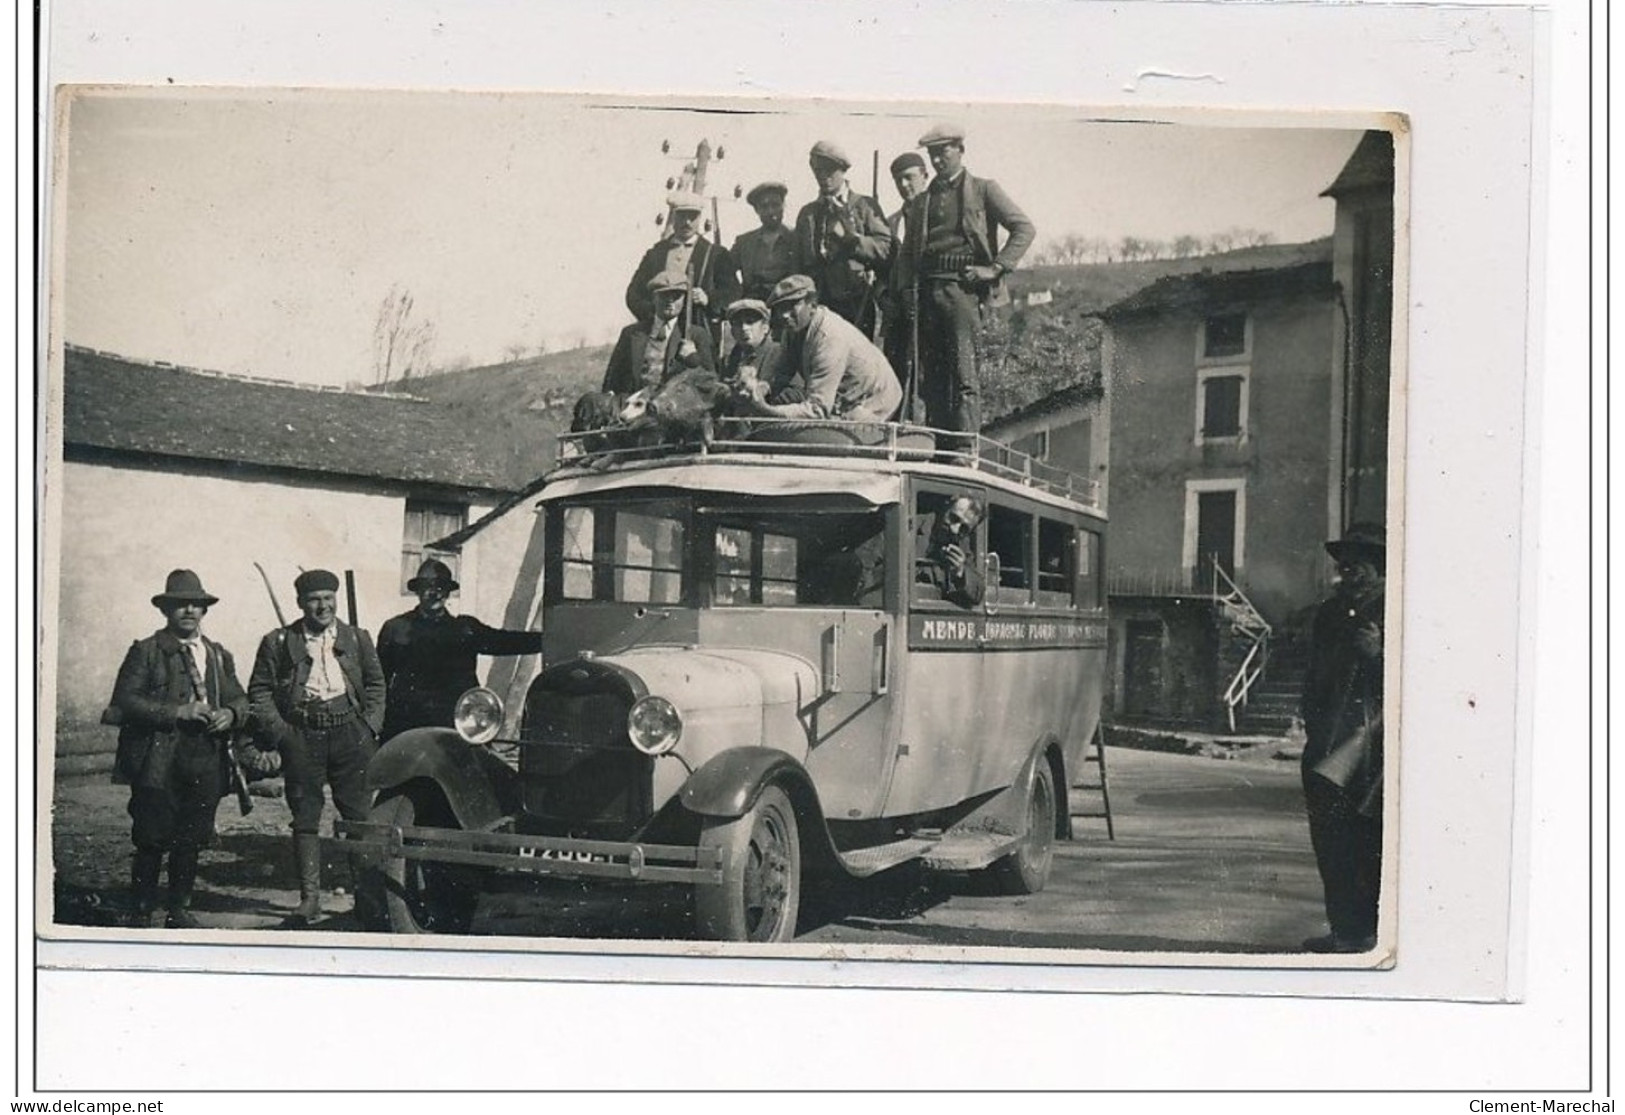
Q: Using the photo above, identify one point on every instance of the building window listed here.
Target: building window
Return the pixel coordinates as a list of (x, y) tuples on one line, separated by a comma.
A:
[(1221, 406), (426, 522), (1035, 445), (1224, 336), (1215, 529)]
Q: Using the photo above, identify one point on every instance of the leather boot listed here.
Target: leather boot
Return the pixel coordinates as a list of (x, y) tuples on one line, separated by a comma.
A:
[(144, 870), (307, 848), (182, 876)]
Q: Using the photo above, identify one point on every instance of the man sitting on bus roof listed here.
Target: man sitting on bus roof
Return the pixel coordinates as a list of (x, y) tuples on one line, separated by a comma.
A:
[(846, 376), (945, 552), (653, 350)]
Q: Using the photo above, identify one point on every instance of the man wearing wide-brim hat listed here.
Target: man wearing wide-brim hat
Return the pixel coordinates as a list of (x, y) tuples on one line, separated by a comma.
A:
[(431, 657), (953, 259), (712, 273), (317, 691), (766, 254), (177, 700), (649, 352), (1342, 762), (842, 240)]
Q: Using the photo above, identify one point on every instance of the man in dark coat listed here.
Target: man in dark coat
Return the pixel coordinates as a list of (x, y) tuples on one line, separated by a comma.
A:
[(757, 357), (1342, 758), (898, 303), (951, 254), (842, 241), (766, 254), (711, 272), (657, 347), (430, 657), (318, 696), (945, 553), (177, 700)]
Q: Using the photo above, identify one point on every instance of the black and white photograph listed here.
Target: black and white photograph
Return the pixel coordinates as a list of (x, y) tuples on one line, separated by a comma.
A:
[(527, 519)]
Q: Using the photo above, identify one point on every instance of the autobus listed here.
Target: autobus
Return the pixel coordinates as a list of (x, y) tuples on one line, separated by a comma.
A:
[(753, 683)]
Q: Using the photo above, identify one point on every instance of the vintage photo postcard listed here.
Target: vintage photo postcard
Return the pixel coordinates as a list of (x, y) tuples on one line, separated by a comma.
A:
[(722, 527)]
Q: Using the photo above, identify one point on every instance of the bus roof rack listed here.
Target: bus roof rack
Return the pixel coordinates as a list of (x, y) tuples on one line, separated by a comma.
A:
[(826, 439)]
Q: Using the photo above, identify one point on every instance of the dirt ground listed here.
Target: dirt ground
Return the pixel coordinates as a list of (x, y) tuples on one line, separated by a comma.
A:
[(1211, 855)]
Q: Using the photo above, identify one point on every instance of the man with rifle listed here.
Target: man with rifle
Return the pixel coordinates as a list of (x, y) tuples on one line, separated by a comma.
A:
[(177, 700), (713, 276), (842, 240)]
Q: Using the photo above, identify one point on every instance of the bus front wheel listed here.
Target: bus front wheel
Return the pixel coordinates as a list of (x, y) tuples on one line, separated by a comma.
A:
[(760, 892)]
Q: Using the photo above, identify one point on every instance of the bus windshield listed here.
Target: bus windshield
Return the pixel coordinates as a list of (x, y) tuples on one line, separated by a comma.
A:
[(729, 552)]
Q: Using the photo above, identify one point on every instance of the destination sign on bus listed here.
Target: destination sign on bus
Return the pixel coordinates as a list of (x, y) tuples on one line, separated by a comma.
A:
[(927, 632)]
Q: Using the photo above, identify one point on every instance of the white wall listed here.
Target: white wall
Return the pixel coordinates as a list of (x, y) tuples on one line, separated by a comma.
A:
[(123, 529)]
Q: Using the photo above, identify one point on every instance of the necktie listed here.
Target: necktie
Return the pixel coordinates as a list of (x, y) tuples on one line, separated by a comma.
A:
[(199, 691)]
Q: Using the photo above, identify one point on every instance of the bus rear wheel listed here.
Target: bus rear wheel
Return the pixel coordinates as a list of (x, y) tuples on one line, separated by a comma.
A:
[(760, 892), (1026, 870)]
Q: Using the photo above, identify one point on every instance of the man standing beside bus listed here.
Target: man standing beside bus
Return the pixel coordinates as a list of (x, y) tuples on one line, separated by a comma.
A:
[(1342, 756)]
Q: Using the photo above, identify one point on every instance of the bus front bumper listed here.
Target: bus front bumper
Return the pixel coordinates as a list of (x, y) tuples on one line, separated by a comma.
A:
[(535, 855)]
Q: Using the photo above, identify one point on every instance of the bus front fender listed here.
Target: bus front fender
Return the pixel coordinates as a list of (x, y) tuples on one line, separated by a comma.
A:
[(480, 788), (729, 784)]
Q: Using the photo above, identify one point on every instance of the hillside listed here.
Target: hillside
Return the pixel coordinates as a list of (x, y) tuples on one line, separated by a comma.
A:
[(1029, 351)]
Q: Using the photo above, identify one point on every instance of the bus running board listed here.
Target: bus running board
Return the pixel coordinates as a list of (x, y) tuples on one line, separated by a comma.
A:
[(863, 862)]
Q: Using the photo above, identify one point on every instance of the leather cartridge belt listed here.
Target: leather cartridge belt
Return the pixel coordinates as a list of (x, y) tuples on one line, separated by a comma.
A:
[(946, 265), (324, 714)]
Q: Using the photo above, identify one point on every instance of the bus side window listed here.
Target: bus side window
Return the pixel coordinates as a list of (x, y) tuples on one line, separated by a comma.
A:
[(1090, 579), (1009, 534), (1057, 556)]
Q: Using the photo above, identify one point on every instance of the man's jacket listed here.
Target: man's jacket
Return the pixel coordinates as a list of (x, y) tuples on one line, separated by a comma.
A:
[(626, 373), (984, 209), (282, 667), (1342, 701), (843, 272), (153, 684), (710, 267), (431, 661)]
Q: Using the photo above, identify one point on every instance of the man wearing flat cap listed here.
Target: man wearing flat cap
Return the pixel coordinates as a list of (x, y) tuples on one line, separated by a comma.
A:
[(318, 696), (897, 304), (712, 274), (757, 358), (1342, 762), (952, 256), (766, 254), (431, 657), (177, 700), (846, 376), (651, 350), (842, 240)]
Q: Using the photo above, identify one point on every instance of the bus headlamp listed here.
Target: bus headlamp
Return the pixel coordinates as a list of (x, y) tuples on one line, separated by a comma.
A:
[(654, 725), (478, 716)]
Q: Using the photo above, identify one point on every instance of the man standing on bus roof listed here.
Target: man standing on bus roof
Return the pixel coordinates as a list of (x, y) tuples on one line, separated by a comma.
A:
[(898, 302), (709, 268), (846, 376), (842, 240), (1342, 755), (766, 254), (431, 657), (945, 552), (952, 252)]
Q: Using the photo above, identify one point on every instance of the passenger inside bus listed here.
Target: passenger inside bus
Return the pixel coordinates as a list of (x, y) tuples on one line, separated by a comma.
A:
[(946, 558)]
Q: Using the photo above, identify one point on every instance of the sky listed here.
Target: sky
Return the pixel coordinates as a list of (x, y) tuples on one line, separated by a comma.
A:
[(258, 232)]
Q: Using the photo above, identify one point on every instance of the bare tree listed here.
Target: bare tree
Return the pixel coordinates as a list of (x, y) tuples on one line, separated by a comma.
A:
[(401, 344)]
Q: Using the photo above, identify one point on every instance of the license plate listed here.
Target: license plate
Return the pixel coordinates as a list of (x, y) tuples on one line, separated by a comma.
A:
[(562, 855)]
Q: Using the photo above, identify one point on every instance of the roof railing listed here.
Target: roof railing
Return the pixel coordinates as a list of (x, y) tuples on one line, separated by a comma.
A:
[(827, 438)]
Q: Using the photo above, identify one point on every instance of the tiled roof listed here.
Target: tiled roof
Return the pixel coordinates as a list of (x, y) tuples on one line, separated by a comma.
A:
[(1204, 289), (1371, 165), (114, 404), (1074, 394)]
